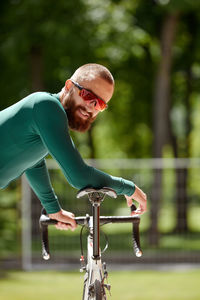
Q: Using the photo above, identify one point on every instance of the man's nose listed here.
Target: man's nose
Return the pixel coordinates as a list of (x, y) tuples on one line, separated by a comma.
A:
[(90, 106), (91, 109)]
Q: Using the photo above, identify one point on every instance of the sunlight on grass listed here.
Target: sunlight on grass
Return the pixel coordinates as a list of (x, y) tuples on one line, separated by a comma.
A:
[(140, 285)]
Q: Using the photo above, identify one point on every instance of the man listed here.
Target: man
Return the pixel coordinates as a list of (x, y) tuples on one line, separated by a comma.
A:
[(39, 124)]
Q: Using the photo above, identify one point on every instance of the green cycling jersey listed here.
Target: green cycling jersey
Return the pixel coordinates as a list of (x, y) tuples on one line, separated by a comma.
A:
[(35, 127)]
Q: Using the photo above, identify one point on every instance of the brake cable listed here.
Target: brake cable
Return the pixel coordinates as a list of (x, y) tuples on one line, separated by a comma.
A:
[(81, 242)]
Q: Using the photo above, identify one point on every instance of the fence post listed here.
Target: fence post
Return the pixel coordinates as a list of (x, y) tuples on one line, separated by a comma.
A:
[(26, 226)]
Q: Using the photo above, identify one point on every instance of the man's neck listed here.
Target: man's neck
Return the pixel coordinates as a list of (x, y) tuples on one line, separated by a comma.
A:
[(61, 96)]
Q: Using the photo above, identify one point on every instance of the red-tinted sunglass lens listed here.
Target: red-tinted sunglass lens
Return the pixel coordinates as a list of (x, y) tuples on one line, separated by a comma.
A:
[(89, 96), (102, 104)]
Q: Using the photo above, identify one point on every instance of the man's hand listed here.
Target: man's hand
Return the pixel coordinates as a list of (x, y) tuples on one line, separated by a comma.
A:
[(64, 217), (141, 198)]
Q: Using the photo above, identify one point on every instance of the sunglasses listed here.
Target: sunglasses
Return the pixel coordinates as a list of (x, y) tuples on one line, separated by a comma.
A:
[(89, 96)]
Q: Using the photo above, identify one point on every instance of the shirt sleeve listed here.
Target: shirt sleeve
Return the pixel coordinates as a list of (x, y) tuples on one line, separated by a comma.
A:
[(38, 178), (52, 125)]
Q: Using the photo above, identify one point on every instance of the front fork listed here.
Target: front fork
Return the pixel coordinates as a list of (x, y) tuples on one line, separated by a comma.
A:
[(94, 270)]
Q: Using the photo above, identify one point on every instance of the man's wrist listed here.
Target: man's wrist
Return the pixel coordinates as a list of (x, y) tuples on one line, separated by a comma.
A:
[(56, 214)]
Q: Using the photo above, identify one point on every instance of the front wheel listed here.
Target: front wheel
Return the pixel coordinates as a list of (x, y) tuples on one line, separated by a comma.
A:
[(98, 291)]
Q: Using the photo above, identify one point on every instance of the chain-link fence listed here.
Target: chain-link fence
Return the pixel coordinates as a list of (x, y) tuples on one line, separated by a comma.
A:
[(170, 230)]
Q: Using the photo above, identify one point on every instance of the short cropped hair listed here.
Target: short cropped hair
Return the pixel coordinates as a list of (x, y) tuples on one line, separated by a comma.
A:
[(90, 71)]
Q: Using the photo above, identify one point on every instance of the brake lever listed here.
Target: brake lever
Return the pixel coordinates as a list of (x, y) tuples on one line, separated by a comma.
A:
[(44, 222), (136, 233)]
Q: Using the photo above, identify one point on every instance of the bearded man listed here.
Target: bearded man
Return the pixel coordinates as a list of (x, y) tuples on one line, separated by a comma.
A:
[(39, 125)]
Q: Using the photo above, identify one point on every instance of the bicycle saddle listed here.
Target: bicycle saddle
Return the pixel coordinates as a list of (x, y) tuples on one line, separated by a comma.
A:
[(97, 192)]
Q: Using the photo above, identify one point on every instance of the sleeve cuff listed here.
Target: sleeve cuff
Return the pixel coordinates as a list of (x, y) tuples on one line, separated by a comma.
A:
[(52, 208), (128, 187)]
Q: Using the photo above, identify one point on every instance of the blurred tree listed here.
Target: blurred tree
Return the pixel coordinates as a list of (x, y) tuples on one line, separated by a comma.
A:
[(43, 42), (181, 140), (120, 43), (41, 45), (161, 113)]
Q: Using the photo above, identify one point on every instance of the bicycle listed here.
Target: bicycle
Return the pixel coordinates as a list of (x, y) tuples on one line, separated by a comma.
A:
[(95, 271)]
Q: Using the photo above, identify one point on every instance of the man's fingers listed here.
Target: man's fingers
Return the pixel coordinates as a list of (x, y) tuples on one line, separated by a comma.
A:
[(60, 226), (66, 223), (65, 220), (69, 219), (136, 212), (73, 224), (139, 211), (129, 201), (63, 226), (141, 198)]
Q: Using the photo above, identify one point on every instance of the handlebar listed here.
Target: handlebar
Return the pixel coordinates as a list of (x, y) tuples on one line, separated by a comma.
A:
[(45, 221), (136, 233)]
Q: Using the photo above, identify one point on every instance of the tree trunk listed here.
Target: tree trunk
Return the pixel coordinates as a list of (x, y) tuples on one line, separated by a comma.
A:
[(181, 175), (183, 150), (181, 201), (161, 109), (37, 69)]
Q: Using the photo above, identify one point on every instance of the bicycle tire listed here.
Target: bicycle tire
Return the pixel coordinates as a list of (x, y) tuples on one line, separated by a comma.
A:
[(98, 290)]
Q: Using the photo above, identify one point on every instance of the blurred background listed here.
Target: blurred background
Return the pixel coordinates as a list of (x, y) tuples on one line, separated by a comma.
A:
[(149, 134)]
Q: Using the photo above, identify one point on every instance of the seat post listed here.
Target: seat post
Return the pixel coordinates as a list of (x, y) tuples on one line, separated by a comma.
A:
[(96, 196), (96, 230)]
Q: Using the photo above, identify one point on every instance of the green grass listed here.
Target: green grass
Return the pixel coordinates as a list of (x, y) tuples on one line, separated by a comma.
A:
[(140, 285)]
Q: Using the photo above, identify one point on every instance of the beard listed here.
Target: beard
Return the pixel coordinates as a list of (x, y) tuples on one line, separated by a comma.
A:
[(76, 123)]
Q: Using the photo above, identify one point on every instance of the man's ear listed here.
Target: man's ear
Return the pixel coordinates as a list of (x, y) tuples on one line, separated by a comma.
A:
[(68, 84)]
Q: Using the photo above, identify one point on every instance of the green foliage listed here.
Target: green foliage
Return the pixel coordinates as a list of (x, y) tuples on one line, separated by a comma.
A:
[(125, 37), (122, 35), (9, 220)]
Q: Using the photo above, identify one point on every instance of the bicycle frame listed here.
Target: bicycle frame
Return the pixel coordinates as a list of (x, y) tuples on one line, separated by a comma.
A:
[(96, 273)]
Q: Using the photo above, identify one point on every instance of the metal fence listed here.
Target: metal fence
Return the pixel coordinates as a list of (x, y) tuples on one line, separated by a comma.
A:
[(170, 230)]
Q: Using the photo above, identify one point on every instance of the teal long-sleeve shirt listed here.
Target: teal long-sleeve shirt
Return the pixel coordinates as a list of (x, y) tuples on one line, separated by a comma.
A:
[(30, 130)]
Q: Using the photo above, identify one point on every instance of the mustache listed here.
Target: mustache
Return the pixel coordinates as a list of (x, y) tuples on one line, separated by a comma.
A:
[(76, 123), (85, 110)]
